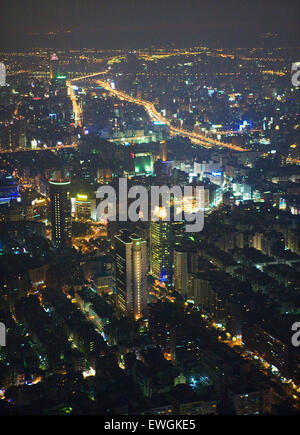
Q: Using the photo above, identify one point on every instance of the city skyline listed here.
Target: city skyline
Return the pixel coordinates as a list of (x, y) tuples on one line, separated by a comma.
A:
[(149, 210)]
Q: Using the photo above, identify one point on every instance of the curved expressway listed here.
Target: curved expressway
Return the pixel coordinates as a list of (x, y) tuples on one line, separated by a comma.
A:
[(152, 112)]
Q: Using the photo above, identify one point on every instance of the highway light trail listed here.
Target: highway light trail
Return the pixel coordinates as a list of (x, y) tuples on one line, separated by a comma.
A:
[(196, 138), (76, 108)]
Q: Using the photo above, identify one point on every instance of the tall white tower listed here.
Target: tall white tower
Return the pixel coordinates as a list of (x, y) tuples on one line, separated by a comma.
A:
[(131, 274)]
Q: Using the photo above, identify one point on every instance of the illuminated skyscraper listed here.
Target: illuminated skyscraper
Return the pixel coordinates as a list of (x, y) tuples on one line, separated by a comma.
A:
[(61, 213), (161, 247), (13, 134), (180, 270), (85, 207), (131, 274), (163, 151), (54, 67)]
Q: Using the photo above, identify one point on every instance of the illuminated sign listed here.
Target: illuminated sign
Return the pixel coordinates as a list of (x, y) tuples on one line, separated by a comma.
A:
[(60, 183), (83, 197)]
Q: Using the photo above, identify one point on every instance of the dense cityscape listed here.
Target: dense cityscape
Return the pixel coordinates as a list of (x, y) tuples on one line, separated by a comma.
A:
[(103, 316)]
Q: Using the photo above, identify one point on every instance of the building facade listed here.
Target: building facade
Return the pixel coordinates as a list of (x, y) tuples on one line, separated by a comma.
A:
[(60, 203), (131, 274)]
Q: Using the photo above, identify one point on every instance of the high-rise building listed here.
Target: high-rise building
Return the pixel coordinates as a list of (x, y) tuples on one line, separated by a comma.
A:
[(180, 270), (61, 222), (131, 274), (163, 150), (13, 134), (54, 67), (163, 328), (85, 207), (161, 247)]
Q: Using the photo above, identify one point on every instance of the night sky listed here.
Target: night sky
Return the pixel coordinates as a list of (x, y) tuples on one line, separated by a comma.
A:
[(122, 23)]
